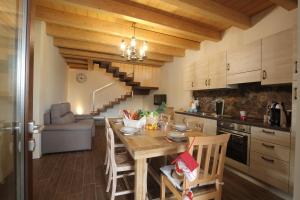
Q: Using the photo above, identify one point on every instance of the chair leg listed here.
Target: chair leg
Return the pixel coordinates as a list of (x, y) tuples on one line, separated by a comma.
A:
[(114, 186), (219, 192), (109, 180), (107, 166), (106, 158), (162, 188)]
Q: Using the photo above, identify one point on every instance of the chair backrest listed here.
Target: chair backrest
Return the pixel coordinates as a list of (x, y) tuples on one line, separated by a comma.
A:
[(210, 153), (111, 146)]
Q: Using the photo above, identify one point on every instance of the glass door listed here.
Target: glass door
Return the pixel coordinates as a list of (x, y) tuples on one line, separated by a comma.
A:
[(13, 23)]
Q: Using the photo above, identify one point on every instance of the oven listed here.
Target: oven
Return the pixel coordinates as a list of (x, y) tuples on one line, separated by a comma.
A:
[(238, 148)]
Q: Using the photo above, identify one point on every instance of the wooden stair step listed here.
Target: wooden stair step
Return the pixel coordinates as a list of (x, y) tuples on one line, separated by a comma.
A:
[(126, 79), (133, 83)]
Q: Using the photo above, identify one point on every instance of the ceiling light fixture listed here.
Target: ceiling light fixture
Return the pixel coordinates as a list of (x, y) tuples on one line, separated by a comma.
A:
[(131, 52)]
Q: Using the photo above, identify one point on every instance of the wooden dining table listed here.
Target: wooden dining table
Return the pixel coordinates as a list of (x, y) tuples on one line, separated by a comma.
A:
[(148, 144)]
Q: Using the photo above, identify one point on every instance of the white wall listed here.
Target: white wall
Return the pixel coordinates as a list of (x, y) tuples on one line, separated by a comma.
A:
[(268, 23), (50, 73), (80, 94)]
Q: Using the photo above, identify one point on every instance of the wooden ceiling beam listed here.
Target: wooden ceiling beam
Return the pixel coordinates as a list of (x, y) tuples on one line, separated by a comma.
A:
[(286, 4), (94, 24), (211, 10), (96, 37), (88, 46), (147, 16), (78, 54), (78, 66), (76, 61)]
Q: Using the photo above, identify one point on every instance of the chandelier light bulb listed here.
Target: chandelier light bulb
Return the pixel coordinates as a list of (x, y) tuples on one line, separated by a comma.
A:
[(142, 52), (123, 45), (133, 42), (145, 46)]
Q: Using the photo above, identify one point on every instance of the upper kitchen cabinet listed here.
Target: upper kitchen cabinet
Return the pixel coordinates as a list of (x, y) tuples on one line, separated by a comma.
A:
[(217, 70), (189, 77), (295, 54), (278, 61), (201, 74), (244, 63)]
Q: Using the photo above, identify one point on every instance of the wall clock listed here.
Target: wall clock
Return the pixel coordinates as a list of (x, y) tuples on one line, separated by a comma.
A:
[(81, 77)]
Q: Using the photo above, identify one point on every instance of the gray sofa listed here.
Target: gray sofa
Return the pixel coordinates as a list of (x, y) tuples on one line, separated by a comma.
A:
[(63, 131)]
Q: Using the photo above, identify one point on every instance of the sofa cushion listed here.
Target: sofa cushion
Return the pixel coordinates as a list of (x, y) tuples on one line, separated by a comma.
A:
[(78, 126), (65, 119), (47, 118), (58, 110)]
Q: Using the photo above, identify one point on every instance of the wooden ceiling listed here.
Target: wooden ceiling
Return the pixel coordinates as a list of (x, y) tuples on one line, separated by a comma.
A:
[(92, 30)]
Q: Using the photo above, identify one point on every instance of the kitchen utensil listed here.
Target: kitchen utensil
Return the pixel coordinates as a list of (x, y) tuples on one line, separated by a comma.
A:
[(180, 127), (243, 115), (129, 130)]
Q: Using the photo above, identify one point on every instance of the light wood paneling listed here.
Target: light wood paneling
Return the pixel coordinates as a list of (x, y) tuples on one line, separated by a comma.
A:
[(248, 7), (88, 46), (277, 172), (287, 4), (247, 77), (102, 38), (94, 24), (270, 149), (79, 54), (272, 136), (217, 70), (277, 58), (147, 16), (246, 58), (212, 11), (189, 77)]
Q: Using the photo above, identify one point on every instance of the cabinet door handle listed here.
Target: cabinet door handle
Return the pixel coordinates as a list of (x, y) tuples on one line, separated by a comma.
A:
[(209, 82), (267, 159), (205, 82), (296, 67), (192, 84), (264, 75), (295, 93), (268, 146), (228, 66), (268, 132)]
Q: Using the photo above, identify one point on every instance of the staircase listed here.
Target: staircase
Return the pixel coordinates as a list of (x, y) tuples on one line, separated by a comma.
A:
[(127, 78), (137, 89)]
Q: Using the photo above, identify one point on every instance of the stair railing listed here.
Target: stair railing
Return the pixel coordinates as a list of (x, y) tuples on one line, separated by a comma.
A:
[(98, 90)]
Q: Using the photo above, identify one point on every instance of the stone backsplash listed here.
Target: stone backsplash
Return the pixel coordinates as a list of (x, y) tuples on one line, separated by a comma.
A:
[(252, 98)]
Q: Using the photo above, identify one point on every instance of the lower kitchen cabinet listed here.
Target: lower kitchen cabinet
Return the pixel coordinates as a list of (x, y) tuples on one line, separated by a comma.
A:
[(270, 170), (270, 157)]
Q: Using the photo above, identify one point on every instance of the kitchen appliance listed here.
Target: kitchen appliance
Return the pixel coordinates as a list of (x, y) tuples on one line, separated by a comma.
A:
[(238, 148), (278, 115), (159, 99), (219, 104)]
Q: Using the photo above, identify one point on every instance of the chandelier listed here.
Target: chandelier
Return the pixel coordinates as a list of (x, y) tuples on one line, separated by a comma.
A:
[(130, 51)]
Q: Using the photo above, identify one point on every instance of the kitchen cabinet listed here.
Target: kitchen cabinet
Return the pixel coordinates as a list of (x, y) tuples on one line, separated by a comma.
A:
[(244, 63), (278, 62), (211, 72), (270, 149), (189, 77), (201, 74), (295, 54), (217, 71), (210, 127), (293, 136)]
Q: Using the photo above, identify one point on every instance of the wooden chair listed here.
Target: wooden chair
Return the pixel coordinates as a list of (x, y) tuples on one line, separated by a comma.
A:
[(119, 145), (210, 152), (121, 166)]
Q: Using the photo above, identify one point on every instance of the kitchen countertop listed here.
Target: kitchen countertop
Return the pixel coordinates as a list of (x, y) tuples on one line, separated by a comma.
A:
[(251, 122)]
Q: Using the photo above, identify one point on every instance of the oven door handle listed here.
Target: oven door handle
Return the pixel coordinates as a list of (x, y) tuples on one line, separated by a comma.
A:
[(241, 135)]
